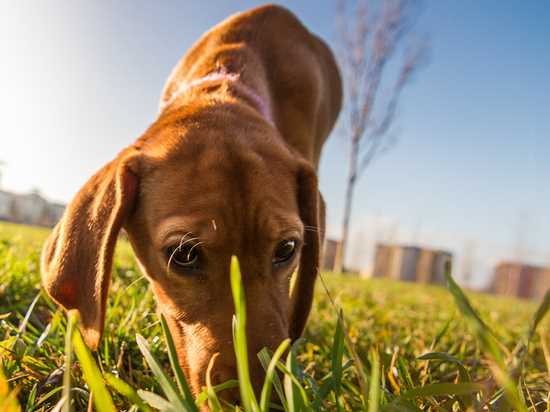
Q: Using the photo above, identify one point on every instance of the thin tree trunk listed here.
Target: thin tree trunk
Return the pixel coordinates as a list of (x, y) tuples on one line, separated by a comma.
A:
[(339, 263)]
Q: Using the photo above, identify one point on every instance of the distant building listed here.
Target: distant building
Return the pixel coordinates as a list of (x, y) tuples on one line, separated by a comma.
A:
[(5, 205), (329, 255), (521, 280), (30, 208), (410, 263)]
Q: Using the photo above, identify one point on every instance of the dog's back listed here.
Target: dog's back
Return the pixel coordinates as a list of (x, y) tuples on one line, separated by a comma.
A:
[(277, 56)]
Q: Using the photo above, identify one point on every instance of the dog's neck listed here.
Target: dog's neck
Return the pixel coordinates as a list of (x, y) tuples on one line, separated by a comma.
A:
[(223, 76)]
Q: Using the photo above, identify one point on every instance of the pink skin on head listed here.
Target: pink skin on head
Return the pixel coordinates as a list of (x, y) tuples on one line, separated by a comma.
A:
[(223, 75)]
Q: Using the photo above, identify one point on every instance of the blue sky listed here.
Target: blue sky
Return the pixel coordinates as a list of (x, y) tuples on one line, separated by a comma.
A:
[(471, 168)]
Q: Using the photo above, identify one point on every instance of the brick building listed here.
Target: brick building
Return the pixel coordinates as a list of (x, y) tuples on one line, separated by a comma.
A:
[(410, 263), (329, 255), (521, 280)]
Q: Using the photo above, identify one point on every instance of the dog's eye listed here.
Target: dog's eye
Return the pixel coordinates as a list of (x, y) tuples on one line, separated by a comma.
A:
[(185, 256), (284, 251)]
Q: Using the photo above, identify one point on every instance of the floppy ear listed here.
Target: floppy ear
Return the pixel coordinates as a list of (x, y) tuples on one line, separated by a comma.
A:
[(312, 215), (77, 257)]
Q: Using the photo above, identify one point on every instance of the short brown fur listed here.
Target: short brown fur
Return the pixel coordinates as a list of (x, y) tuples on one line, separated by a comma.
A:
[(214, 164)]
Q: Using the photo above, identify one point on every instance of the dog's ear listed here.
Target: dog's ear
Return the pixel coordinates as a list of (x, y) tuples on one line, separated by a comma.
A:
[(78, 255), (312, 216)]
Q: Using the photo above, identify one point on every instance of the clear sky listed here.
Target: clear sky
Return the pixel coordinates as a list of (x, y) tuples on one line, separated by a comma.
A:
[(470, 172)]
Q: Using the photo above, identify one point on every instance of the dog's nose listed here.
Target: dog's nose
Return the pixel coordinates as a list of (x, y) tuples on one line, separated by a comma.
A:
[(221, 374)]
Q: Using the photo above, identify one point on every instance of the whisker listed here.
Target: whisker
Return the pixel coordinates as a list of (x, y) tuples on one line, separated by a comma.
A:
[(183, 238), (192, 239), (182, 243), (306, 227), (170, 259), (193, 247), (140, 278), (312, 229)]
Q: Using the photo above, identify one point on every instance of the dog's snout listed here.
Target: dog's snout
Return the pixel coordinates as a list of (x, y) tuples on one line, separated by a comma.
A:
[(223, 373)]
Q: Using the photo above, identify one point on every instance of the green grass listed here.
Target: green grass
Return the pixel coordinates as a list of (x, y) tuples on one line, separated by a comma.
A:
[(397, 346)]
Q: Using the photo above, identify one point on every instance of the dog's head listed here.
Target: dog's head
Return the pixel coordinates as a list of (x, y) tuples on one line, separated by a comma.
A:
[(191, 193)]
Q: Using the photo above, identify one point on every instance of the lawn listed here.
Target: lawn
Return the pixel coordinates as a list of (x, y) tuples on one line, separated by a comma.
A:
[(402, 346)]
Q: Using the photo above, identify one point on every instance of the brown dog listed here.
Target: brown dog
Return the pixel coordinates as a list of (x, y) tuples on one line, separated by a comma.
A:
[(228, 168)]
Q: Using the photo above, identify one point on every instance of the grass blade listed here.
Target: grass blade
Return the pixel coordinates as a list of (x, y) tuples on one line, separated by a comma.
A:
[(66, 395), (178, 372), (270, 373), (487, 341), (23, 324), (203, 396), (295, 393), (248, 398), (127, 391), (265, 360), (361, 376), (291, 392), (156, 401), (445, 357), (374, 384), (337, 353), (436, 389), (31, 399), (441, 333), (213, 401), (101, 398), (480, 328), (178, 403), (300, 389), (541, 312)]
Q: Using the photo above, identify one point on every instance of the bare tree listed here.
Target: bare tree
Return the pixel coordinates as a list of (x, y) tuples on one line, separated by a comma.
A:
[(369, 39)]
